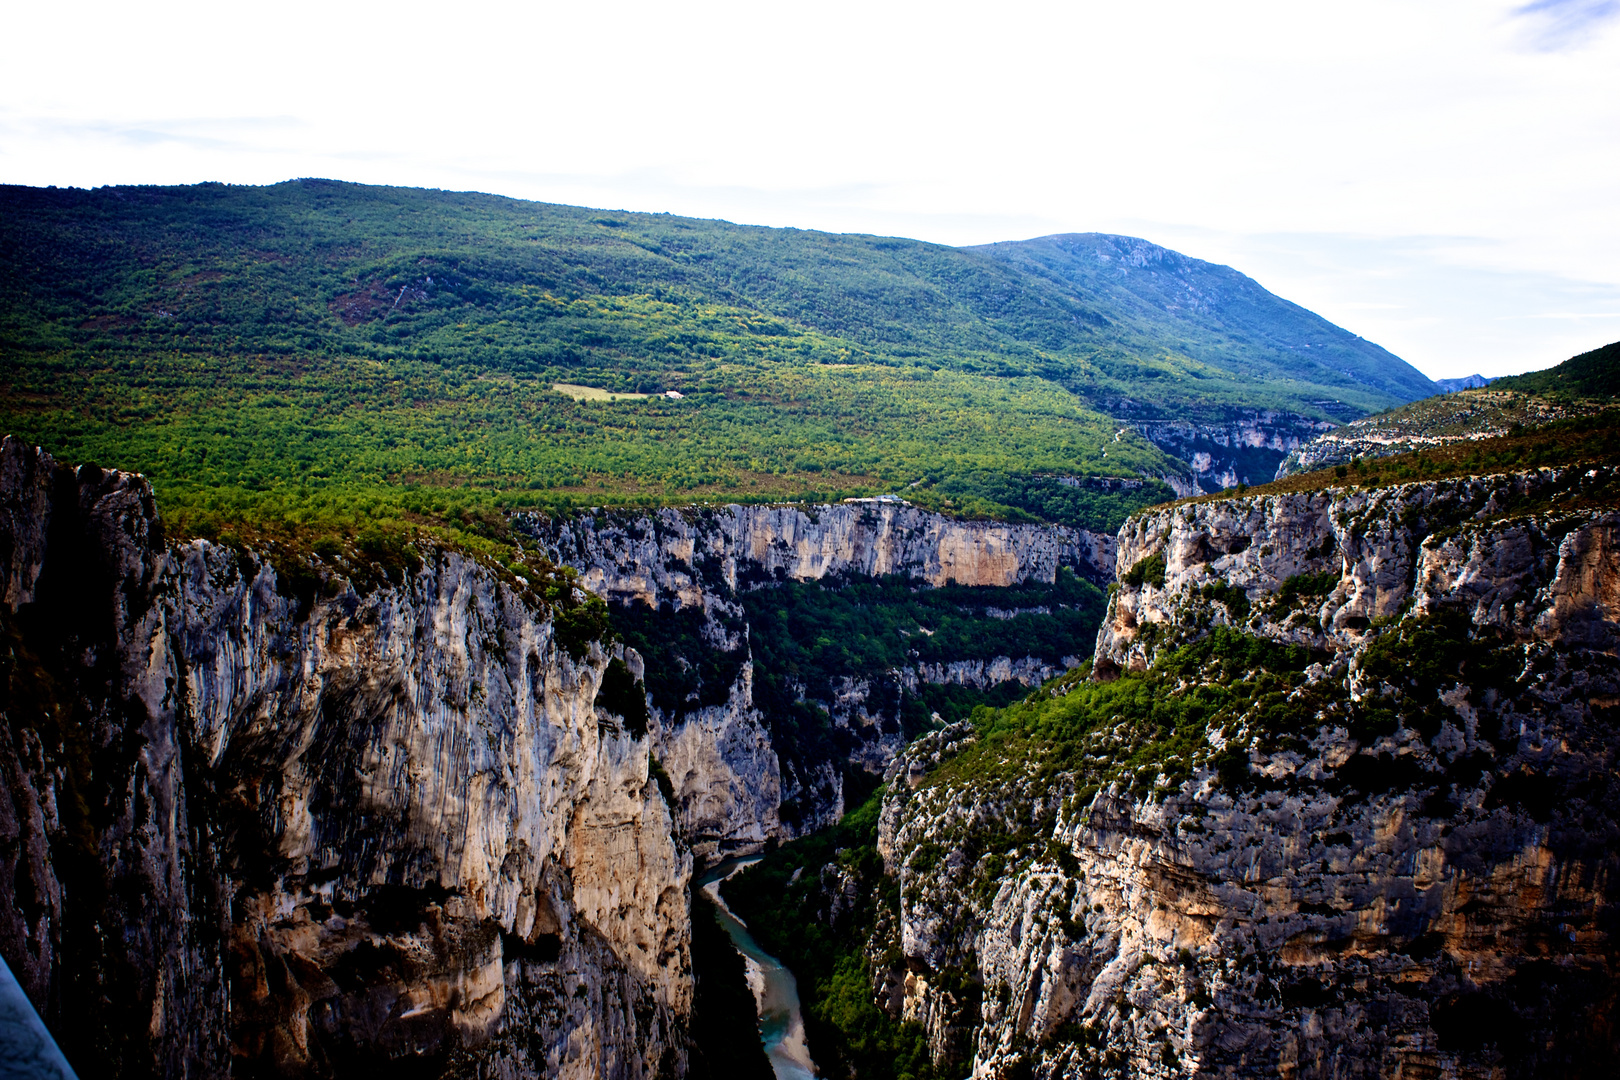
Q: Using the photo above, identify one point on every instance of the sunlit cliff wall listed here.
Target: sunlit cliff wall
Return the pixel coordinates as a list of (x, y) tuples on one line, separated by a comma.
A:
[(307, 834), (1418, 878)]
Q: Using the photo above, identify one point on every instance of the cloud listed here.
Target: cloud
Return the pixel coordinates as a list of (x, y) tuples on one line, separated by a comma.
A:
[(1556, 25), (1567, 315), (211, 133)]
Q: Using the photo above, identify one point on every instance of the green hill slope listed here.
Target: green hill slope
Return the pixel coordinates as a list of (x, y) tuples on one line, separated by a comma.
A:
[(317, 347), (1582, 386), (1591, 375), (1215, 314)]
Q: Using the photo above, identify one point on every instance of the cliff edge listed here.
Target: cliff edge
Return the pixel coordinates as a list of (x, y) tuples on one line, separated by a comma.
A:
[(1339, 800), (259, 820)]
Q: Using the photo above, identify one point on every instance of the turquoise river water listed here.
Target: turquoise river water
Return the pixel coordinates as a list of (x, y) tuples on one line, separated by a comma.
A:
[(776, 992)]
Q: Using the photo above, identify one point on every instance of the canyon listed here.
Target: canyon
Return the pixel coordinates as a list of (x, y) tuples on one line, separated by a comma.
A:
[(373, 745), (1334, 797), (270, 814), (1246, 447), (730, 779)]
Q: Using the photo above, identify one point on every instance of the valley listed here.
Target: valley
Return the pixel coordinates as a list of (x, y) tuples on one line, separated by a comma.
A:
[(1335, 796), (1075, 660)]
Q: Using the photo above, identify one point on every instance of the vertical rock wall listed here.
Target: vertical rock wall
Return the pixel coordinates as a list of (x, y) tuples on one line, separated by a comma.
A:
[(731, 781), (660, 554), (1248, 447), (310, 834), (1416, 877)]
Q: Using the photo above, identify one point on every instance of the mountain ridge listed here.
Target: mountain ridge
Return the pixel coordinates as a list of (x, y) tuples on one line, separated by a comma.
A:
[(1139, 275), (266, 353), (1478, 408)]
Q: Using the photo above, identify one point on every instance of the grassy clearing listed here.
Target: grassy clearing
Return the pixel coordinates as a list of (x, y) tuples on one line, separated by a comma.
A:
[(591, 393)]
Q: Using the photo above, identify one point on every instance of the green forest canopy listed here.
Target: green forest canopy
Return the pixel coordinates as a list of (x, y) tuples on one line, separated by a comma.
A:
[(334, 354), (1591, 375)]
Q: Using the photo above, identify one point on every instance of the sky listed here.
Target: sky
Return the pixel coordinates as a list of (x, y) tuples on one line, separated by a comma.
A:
[(1439, 176)]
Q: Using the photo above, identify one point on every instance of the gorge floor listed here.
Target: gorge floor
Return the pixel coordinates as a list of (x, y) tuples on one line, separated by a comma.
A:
[(775, 990)]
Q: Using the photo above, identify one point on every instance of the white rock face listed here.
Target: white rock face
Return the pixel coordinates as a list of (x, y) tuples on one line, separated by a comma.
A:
[(1425, 896), (1388, 548), (396, 820), (729, 780), (658, 556), (1246, 448), (725, 774)]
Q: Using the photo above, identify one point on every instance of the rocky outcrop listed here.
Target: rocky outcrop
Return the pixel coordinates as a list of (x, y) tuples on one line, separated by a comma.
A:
[(676, 553), (1349, 443), (730, 779), (725, 773), (259, 819), (1379, 839), (1245, 448), (1472, 414), (1377, 546), (1027, 671)]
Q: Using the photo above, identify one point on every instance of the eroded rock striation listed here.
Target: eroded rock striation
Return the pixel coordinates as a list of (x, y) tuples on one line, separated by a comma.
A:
[(1343, 804), (656, 555), (259, 820)]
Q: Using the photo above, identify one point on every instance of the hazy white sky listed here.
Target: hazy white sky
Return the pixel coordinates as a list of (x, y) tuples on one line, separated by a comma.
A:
[(1439, 176)]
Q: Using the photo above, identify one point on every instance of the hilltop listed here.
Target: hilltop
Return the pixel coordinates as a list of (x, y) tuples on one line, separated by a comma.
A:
[(1219, 317), (1590, 376)]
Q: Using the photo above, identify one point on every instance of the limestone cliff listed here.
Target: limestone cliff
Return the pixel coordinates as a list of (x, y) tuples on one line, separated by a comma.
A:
[(259, 819), (692, 566), (1347, 807), (1245, 447), (676, 553), (1378, 544)]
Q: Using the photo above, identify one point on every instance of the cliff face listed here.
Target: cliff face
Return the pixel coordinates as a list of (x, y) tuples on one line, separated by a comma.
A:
[(1383, 548), (1245, 448), (1348, 809), (685, 572), (676, 553), (311, 833)]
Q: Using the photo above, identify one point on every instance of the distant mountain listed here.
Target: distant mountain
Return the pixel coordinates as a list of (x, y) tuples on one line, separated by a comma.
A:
[(1594, 374), (1214, 313), (277, 343), (1467, 382)]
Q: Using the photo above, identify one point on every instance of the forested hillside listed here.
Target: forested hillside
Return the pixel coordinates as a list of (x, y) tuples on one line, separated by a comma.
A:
[(1220, 317), (318, 351), (1592, 375)]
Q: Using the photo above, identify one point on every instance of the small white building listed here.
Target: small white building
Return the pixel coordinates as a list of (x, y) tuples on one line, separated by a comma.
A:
[(674, 395)]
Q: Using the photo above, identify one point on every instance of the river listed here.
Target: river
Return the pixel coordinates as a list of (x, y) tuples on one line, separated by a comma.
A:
[(776, 991)]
